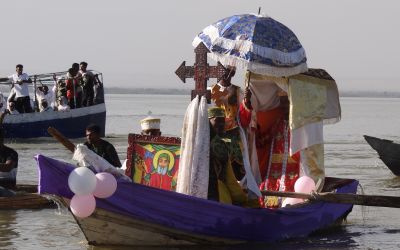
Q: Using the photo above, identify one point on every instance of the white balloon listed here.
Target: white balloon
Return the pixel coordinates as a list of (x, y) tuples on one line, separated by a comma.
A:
[(82, 181)]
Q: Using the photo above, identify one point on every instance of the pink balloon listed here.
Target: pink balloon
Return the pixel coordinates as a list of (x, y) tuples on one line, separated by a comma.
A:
[(106, 185), (304, 185), (82, 206), (291, 201)]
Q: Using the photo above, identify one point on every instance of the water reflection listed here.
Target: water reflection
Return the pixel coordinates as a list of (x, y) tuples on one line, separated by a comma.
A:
[(7, 228)]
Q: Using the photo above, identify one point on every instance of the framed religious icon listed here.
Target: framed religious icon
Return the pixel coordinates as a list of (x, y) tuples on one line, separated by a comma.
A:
[(153, 160)]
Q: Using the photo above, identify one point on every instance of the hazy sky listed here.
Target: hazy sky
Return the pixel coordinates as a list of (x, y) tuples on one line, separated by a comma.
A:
[(141, 43)]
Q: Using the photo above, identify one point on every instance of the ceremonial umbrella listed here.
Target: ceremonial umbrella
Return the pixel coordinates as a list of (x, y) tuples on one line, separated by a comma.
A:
[(256, 43)]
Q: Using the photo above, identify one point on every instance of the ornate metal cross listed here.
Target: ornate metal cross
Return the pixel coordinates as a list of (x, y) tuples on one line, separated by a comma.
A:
[(201, 72)]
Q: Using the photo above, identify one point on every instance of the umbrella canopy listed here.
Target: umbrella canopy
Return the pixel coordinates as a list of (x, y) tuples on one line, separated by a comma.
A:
[(257, 43)]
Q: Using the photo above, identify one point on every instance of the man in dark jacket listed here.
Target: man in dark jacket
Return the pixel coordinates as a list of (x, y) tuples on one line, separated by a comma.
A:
[(100, 146)]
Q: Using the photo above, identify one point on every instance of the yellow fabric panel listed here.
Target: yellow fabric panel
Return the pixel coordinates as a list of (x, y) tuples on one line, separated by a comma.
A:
[(307, 102), (314, 159), (311, 79)]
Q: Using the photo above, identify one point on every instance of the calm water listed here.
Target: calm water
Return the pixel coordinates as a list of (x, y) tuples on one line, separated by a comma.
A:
[(347, 155)]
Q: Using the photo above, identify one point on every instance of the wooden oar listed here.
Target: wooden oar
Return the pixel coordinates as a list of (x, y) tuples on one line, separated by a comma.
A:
[(61, 138), (356, 199)]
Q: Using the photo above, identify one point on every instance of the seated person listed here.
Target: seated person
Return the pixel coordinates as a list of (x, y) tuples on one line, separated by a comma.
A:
[(63, 106), (44, 93), (150, 126), (45, 106), (101, 147), (8, 168), (223, 185), (11, 109)]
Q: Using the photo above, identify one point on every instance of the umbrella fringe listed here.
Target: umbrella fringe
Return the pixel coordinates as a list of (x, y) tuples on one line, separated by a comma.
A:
[(259, 68)]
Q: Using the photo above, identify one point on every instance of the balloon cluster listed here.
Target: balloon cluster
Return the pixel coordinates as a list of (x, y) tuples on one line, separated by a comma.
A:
[(303, 185), (86, 185)]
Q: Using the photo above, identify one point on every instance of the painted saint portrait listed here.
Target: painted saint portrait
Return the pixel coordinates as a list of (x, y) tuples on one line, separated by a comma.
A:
[(155, 165)]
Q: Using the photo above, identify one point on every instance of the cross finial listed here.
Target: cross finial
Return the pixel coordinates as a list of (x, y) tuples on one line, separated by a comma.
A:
[(201, 72)]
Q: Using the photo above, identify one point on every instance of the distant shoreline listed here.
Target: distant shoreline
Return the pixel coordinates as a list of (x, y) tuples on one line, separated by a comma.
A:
[(163, 91), (166, 91)]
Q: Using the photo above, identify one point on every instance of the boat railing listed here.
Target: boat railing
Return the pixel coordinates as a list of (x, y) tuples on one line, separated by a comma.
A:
[(51, 79)]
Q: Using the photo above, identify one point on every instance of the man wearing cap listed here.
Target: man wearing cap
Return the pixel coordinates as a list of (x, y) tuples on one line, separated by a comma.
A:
[(223, 185), (100, 146), (150, 126), (228, 97)]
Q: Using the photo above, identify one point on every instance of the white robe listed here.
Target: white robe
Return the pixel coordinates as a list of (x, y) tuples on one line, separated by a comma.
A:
[(193, 170)]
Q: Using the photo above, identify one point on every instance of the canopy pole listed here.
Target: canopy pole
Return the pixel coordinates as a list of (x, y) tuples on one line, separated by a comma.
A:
[(36, 105), (247, 82)]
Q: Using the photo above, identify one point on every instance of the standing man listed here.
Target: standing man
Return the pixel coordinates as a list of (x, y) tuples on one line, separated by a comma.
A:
[(100, 146), (8, 168), (20, 83), (87, 85), (223, 185)]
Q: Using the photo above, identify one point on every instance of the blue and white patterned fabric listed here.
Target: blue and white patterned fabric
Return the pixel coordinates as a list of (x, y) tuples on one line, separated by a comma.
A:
[(254, 42)]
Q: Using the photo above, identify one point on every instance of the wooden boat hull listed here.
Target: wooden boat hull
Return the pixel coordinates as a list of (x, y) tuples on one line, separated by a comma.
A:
[(26, 201), (26, 198), (388, 151), (138, 215), (71, 124), (127, 231)]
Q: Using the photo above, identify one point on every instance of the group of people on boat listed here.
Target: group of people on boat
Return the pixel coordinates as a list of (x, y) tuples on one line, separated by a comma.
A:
[(250, 137), (78, 88), (249, 141)]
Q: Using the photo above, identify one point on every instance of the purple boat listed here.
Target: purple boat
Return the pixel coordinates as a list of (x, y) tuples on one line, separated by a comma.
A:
[(138, 215)]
